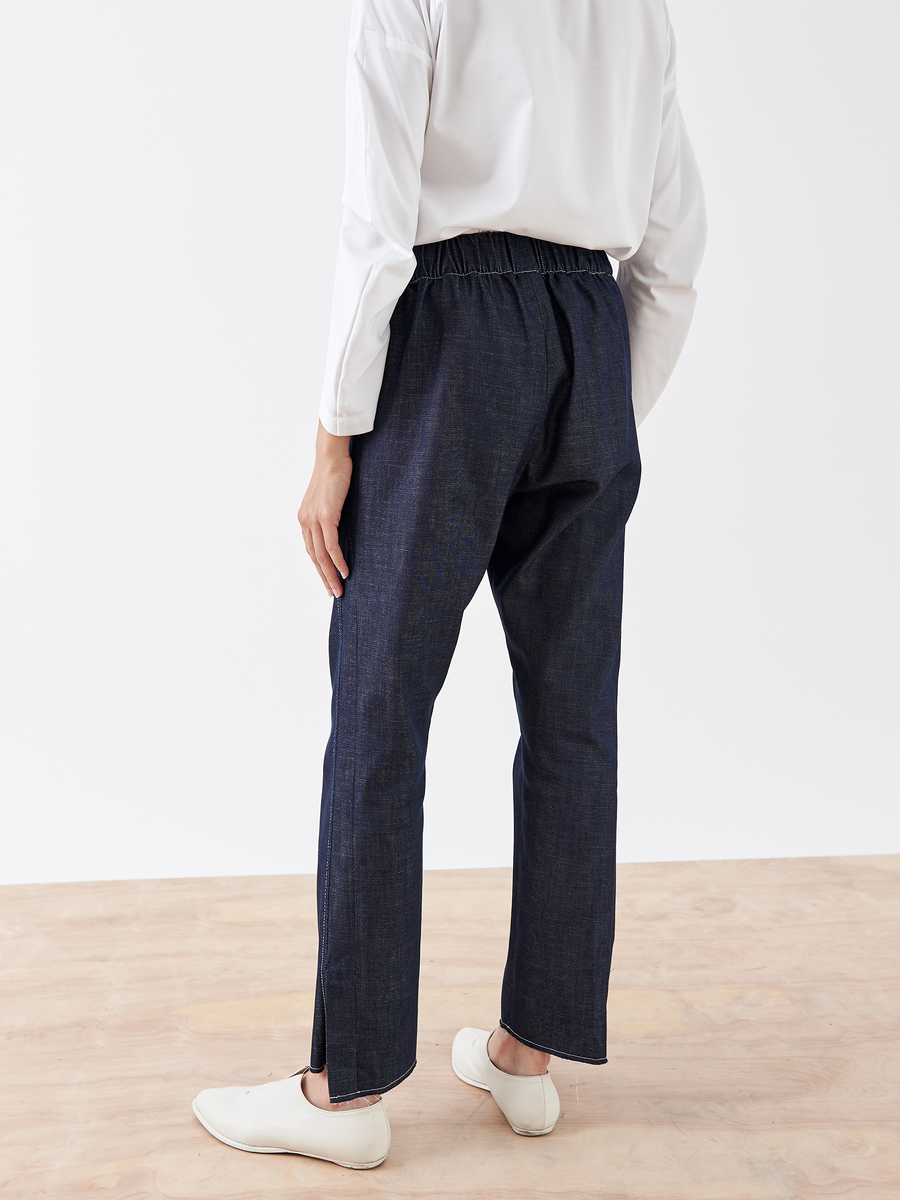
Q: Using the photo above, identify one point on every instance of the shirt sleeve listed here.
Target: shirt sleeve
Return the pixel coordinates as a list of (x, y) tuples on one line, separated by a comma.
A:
[(657, 280), (389, 74)]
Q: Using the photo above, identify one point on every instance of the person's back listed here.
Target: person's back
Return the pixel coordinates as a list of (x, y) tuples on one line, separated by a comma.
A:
[(545, 118), (555, 119), (486, 374)]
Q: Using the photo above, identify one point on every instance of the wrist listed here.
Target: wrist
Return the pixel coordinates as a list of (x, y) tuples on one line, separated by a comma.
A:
[(331, 447)]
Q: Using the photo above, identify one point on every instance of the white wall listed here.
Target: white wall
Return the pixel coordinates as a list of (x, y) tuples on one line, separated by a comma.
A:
[(168, 220)]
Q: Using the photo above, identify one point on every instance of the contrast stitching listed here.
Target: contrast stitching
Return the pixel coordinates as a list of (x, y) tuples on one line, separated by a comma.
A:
[(549, 1049), (354, 642), (323, 953), (530, 271), (344, 1096)]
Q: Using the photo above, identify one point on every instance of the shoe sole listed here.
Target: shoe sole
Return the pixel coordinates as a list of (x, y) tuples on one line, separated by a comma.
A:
[(484, 1087), (356, 1166)]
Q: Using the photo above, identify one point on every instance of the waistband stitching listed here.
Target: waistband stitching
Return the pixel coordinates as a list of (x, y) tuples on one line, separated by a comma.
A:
[(530, 271)]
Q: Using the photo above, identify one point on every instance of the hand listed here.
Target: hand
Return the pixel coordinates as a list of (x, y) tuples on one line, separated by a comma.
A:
[(320, 513)]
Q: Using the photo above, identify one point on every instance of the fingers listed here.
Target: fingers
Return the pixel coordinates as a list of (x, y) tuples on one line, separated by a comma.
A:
[(324, 561), (311, 551), (319, 516), (332, 546)]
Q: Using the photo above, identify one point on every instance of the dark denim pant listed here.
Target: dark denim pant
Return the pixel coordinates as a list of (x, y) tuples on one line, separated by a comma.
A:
[(505, 442)]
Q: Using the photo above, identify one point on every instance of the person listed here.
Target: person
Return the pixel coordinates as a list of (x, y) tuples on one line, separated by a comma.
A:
[(486, 373)]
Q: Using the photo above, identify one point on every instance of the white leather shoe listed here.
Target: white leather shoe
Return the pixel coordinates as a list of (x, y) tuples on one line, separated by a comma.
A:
[(529, 1102), (276, 1118)]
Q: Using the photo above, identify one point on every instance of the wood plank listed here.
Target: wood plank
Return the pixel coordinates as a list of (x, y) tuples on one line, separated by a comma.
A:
[(754, 1017)]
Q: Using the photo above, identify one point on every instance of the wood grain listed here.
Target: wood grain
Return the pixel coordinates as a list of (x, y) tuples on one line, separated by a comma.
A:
[(754, 1051)]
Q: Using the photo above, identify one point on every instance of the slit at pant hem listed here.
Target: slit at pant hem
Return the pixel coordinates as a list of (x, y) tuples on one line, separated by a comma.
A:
[(343, 1097)]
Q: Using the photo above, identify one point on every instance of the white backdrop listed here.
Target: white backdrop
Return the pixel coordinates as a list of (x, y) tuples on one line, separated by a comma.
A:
[(168, 221)]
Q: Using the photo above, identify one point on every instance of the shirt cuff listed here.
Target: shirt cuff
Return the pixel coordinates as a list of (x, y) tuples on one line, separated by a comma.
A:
[(352, 411), (344, 426)]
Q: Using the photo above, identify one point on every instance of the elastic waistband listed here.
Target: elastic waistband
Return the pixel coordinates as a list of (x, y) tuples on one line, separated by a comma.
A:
[(496, 252)]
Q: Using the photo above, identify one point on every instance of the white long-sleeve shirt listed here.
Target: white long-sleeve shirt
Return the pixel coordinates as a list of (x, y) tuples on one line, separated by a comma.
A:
[(557, 119)]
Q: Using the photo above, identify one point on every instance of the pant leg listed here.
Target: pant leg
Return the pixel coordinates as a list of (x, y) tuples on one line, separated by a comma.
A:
[(556, 574), (460, 410), (504, 414)]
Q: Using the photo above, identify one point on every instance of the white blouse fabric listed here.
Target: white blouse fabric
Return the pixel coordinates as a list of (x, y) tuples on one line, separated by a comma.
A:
[(557, 119)]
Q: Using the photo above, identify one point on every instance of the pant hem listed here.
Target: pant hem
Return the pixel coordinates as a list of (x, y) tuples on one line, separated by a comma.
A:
[(549, 1049), (342, 1097)]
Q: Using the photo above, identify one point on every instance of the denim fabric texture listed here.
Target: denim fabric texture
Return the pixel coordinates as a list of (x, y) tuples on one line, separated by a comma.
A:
[(505, 442)]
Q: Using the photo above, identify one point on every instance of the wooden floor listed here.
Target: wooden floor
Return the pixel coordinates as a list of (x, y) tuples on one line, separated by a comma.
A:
[(754, 1049)]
